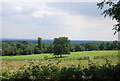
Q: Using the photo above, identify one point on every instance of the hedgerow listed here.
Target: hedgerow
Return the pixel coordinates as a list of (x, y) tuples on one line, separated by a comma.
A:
[(51, 72)]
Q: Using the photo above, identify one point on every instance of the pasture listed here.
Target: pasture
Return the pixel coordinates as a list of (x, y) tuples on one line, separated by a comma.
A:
[(75, 58), (73, 55)]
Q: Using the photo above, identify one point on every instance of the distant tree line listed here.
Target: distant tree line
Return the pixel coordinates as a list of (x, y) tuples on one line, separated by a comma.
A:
[(60, 46)]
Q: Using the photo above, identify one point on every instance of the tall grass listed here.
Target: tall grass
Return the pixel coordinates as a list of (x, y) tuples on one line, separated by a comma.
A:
[(51, 72)]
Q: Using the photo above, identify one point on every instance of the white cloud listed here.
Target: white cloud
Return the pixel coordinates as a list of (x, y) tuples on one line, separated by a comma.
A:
[(42, 14), (88, 28), (46, 22), (51, 0), (17, 8)]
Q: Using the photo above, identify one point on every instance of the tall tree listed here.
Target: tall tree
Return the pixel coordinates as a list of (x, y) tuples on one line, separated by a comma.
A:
[(114, 45), (91, 46), (78, 47), (40, 43), (61, 46), (102, 46), (113, 11)]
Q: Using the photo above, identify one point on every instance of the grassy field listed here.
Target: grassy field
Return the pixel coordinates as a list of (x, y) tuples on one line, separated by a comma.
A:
[(73, 55), (75, 58)]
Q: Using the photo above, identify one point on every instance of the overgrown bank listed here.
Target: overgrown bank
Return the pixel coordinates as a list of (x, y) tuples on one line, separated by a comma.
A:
[(51, 72)]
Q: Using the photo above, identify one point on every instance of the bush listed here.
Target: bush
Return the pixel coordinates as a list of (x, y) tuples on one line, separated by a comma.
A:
[(84, 58), (35, 72)]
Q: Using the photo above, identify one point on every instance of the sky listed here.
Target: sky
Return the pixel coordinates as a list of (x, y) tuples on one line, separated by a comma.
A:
[(48, 20)]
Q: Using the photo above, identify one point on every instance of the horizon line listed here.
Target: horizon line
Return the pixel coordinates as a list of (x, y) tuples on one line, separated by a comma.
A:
[(53, 39)]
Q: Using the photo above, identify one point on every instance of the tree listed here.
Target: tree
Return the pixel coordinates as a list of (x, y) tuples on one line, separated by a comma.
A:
[(114, 45), (102, 46), (113, 11), (78, 47), (49, 49), (119, 45), (72, 47), (108, 46), (61, 46), (40, 43), (91, 46), (36, 50)]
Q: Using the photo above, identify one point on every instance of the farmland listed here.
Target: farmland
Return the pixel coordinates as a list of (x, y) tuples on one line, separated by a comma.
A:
[(11, 64), (74, 58), (90, 54)]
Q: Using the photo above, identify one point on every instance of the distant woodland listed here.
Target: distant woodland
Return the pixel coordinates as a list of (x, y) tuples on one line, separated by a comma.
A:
[(26, 48)]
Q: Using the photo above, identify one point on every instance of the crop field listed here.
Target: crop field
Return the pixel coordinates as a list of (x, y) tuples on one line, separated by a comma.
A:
[(75, 58)]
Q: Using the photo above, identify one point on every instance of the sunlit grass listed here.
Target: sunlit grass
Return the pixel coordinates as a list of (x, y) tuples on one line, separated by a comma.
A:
[(70, 59), (74, 55)]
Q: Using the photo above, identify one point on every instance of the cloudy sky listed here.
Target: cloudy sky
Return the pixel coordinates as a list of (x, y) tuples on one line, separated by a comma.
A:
[(75, 20)]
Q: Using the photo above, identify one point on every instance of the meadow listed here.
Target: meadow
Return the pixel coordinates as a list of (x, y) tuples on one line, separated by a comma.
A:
[(75, 58), (12, 66), (73, 55)]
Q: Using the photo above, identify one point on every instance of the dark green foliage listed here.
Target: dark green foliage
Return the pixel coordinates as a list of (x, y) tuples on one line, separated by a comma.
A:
[(91, 46), (17, 48), (35, 72), (104, 57), (114, 45), (102, 46), (26, 48), (119, 45), (113, 11), (0, 45), (49, 48), (0, 52), (84, 58), (40, 46), (40, 43), (108, 46), (36, 50), (78, 47), (71, 73), (61, 46)]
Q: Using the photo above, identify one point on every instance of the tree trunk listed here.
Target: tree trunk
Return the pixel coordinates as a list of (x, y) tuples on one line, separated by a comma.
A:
[(119, 31)]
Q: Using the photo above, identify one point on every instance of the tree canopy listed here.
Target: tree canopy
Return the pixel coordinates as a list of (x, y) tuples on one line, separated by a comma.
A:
[(112, 10), (61, 46)]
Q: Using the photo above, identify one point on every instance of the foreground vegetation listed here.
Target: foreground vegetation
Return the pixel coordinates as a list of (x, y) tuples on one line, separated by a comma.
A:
[(13, 63), (51, 72)]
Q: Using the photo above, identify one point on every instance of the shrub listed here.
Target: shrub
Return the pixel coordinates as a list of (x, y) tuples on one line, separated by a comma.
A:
[(35, 72)]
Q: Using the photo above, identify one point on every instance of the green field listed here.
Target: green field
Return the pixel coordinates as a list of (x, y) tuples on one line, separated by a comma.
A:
[(73, 55), (75, 58)]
